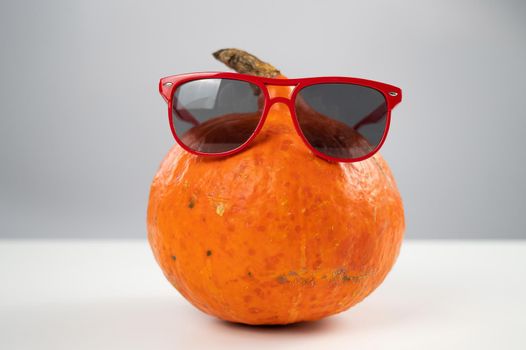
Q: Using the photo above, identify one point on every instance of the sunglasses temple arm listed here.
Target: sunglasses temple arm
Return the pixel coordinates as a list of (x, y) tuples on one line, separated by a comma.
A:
[(183, 114), (372, 117)]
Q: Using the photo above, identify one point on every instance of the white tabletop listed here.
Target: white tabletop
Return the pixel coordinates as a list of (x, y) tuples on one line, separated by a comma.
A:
[(111, 295)]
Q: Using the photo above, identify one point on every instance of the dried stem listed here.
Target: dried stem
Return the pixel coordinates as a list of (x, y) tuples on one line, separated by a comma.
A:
[(243, 62)]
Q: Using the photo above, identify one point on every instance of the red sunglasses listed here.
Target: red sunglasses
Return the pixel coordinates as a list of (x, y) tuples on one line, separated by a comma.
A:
[(339, 118)]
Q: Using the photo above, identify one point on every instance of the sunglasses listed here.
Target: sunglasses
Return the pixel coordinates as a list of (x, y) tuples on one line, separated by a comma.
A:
[(340, 119)]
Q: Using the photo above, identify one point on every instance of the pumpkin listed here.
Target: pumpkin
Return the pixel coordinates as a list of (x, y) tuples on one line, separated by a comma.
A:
[(274, 234)]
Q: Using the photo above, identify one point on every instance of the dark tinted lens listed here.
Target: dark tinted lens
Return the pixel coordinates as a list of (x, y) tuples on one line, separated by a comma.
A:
[(342, 120), (216, 115)]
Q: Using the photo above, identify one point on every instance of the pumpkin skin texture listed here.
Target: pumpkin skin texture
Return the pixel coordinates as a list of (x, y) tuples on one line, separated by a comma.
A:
[(274, 234)]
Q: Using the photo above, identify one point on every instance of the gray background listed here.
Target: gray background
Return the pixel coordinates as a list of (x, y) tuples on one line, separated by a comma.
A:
[(83, 129)]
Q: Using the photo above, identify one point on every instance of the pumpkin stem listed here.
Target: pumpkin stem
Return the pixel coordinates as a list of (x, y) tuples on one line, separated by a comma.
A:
[(245, 63)]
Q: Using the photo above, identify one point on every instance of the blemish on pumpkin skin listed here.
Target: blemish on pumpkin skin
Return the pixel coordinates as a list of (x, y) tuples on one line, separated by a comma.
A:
[(310, 282), (282, 279), (220, 209), (339, 272), (249, 274), (317, 264), (174, 257), (208, 253), (191, 203), (341, 275)]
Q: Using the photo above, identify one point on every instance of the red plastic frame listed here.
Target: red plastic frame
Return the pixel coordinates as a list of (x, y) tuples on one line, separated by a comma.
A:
[(168, 85)]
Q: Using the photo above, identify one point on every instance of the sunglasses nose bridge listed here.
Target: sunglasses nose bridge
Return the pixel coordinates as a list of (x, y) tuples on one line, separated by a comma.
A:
[(284, 100), (279, 91)]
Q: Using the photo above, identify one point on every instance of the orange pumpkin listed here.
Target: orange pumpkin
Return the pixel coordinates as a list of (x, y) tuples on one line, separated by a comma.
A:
[(274, 234)]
